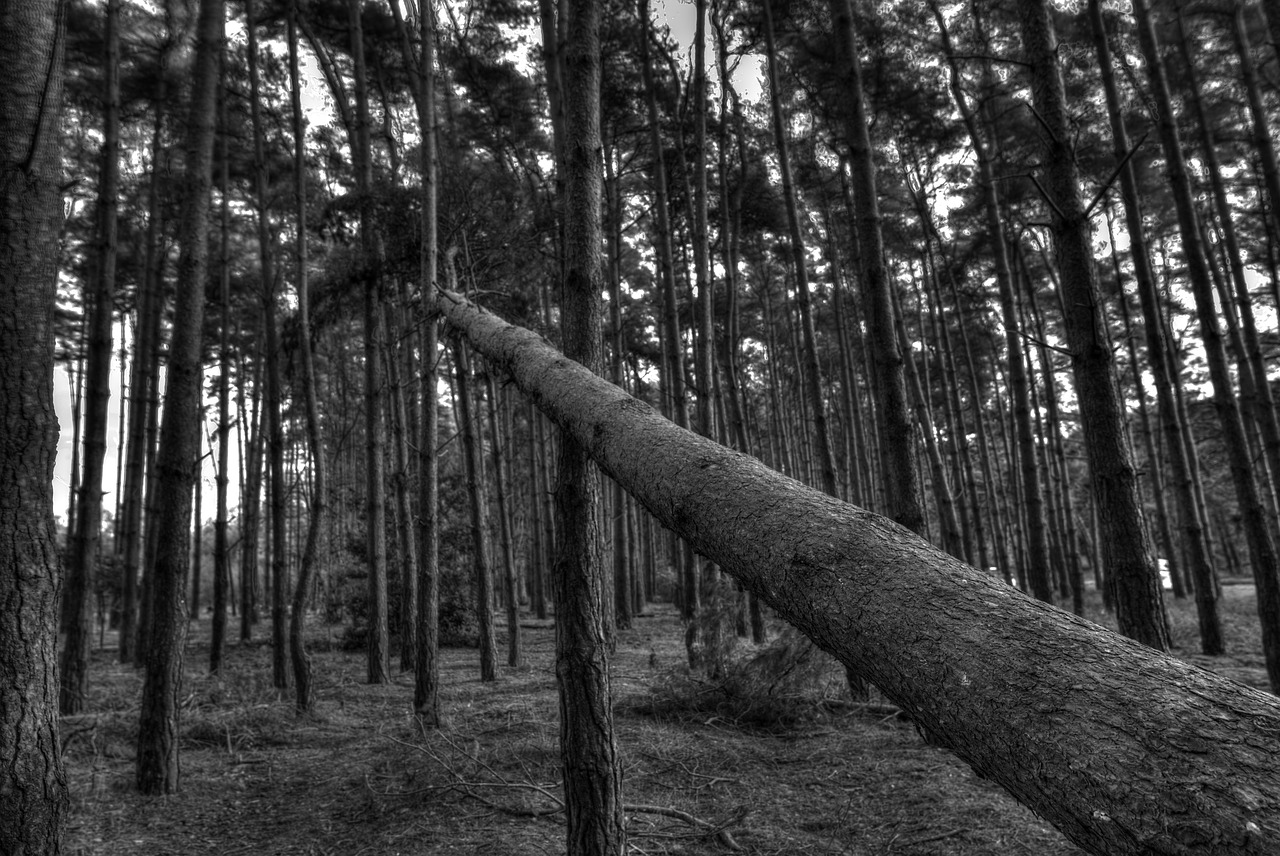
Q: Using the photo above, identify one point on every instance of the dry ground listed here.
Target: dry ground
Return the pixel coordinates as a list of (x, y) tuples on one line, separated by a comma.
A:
[(804, 772)]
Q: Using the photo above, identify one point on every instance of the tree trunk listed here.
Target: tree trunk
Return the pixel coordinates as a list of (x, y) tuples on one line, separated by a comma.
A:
[(304, 700), (157, 760), (221, 542), (88, 522), (1157, 357), (378, 644), (510, 581), (1266, 568), (33, 789), (918, 623), (465, 418), (588, 750), (1037, 566), (897, 434)]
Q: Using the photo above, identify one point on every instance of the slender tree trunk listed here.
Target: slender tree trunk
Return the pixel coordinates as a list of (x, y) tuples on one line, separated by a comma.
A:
[(510, 581), (221, 542), (274, 402), (88, 523), (378, 649), (896, 434), (304, 699), (33, 788), (1037, 566), (426, 681), (157, 759), (471, 454), (1266, 569), (1157, 358)]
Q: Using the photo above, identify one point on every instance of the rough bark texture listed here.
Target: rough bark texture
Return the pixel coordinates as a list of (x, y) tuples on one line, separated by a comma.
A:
[(157, 760), (1126, 541), (1124, 749), (33, 793), (588, 751)]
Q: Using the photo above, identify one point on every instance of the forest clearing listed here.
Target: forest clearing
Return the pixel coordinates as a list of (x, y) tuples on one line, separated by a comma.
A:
[(803, 772)]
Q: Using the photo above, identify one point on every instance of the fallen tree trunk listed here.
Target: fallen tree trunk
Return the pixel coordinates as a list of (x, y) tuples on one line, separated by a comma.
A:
[(1124, 749)]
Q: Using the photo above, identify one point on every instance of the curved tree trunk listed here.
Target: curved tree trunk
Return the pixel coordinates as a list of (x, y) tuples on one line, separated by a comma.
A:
[(1018, 689), (33, 789)]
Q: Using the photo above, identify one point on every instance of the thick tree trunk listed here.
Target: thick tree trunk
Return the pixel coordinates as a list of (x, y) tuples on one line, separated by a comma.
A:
[(1018, 689), (157, 760), (33, 790), (588, 749)]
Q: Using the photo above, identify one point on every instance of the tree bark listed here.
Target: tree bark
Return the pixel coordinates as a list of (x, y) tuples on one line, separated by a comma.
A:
[(1266, 565), (1037, 566), (157, 759), (33, 789), (304, 700), (897, 434), (466, 420), (588, 749), (97, 380), (1018, 689)]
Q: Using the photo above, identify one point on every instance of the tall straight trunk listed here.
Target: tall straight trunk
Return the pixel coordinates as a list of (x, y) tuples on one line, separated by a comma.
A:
[(1264, 407), (1155, 470), (673, 348), (141, 398), (304, 699), (221, 542), (588, 750), (948, 522), (466, 419), (809, 355), (274, 403), (197, 525), (157, 758), (1162, 373), (538, 548), (378, 646), (1266, 569), (88, 523), (251, 523), (426, 674), (1037, 566), (394, 344), (1012, 705), (622, 601), (33, 787), (510, 580), (896, 434)]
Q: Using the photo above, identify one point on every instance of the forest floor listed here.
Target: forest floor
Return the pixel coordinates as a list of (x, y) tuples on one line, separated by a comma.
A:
[(801, 771)]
